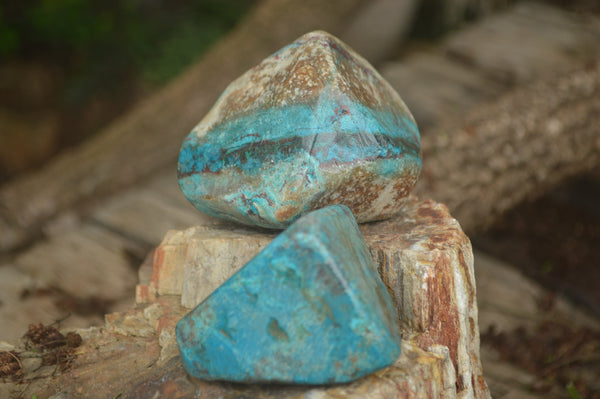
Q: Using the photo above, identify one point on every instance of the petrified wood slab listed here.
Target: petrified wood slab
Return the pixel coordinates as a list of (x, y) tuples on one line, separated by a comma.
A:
[(424, 259), (426, 263)]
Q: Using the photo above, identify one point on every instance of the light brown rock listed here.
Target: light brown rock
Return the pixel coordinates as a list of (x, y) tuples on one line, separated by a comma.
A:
[(424, 259), (423, 256)]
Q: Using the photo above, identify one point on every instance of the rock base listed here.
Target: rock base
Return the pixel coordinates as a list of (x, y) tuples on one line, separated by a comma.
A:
[(425, 261)]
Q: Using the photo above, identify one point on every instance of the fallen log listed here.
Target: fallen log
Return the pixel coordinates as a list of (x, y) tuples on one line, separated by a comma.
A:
[(515, 149), (148, 138)]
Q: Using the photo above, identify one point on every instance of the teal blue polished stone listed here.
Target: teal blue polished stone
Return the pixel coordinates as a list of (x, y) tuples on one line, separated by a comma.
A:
[(312, 125), (309, 309)]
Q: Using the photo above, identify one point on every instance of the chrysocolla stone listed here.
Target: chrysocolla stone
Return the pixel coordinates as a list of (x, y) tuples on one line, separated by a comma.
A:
[(312, 125), (309, 309)]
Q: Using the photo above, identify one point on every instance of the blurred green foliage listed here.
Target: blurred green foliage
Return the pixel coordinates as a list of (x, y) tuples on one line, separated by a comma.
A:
[(100, 42)]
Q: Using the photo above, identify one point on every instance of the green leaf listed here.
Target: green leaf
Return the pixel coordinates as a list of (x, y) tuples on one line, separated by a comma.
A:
[(572, 391)]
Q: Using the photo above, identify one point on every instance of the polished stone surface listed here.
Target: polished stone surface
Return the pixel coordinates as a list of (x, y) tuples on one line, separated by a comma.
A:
[(312, 125), (308, 309)]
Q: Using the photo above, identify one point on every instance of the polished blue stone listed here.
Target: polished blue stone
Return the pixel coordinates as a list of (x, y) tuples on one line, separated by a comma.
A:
[(310, 126), (309, 309)]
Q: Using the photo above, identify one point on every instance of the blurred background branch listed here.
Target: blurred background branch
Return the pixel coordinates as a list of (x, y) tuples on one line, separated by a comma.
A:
[(75, 64), (149, 136)]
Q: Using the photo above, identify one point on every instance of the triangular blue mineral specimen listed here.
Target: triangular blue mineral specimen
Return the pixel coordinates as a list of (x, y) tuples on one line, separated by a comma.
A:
[(309, 309)]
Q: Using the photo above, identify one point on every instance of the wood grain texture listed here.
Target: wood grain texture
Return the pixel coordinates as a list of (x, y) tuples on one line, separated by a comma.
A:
[(424, 259), (516, 148)]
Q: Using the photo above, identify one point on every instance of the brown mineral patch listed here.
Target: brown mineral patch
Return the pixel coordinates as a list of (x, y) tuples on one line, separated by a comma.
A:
[(431, 213), (305, 78), (405, 184), (238, 99), (285, 213), (354, 87), (301, 82), (358, 81), (357, 192)]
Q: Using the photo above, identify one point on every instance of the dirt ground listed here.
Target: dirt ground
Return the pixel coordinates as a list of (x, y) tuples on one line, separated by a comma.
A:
[(554, 240)]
